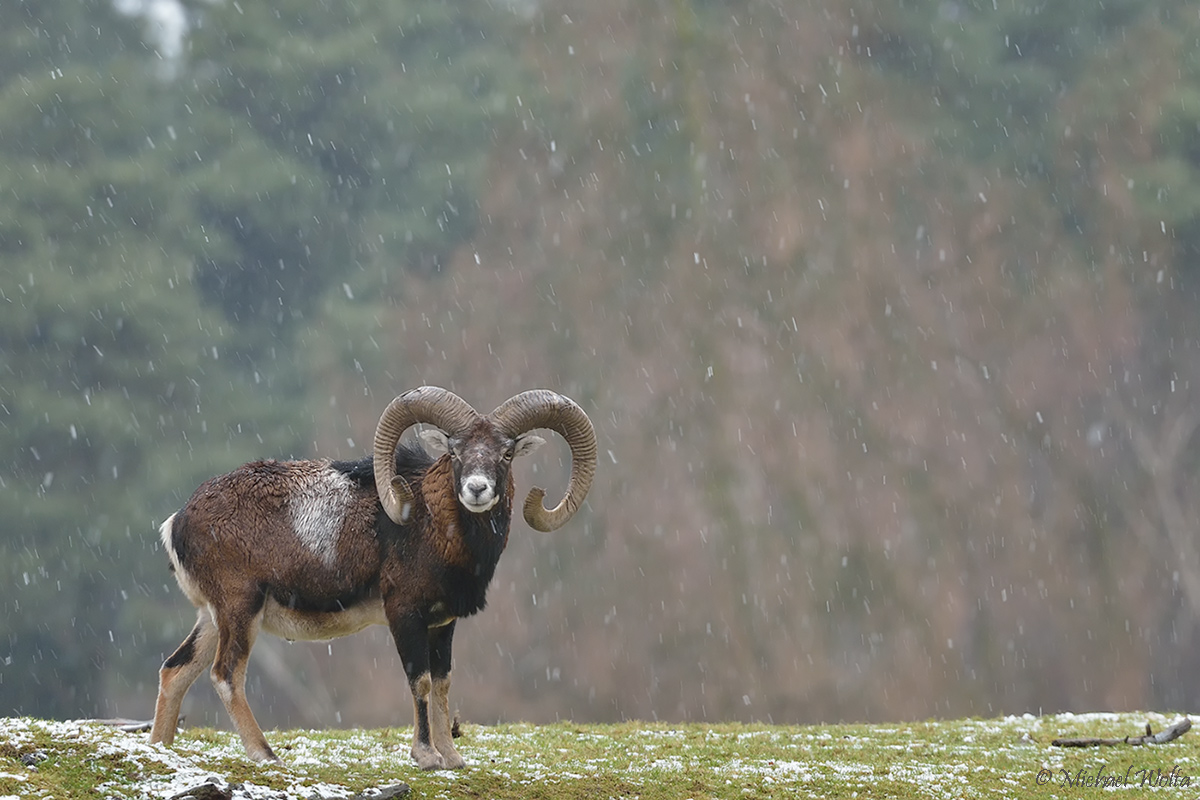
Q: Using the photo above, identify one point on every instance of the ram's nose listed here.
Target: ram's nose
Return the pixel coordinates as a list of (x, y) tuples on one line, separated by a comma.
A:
[(477, 495)]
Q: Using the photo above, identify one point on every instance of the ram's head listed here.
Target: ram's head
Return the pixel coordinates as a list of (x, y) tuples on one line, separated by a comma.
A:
[(482, 448)]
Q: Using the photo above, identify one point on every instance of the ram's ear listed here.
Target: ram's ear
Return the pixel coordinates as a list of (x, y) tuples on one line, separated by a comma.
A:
[(435, 441), (527, 443)]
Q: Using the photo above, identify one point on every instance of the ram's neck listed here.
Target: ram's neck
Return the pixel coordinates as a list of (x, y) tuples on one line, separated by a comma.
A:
[(471, 542)]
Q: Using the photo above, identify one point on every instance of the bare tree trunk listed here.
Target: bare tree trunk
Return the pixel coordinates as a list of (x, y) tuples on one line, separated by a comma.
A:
[(1161, 462), (312, 700)]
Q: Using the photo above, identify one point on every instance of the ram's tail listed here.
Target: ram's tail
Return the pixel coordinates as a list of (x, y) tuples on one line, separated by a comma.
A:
[(164, 533)]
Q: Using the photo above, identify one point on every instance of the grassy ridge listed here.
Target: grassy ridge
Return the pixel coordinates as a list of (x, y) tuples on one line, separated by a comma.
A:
[(1010, 757)]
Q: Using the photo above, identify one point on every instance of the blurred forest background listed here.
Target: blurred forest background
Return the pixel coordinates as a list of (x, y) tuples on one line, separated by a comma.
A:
[(886, 314)]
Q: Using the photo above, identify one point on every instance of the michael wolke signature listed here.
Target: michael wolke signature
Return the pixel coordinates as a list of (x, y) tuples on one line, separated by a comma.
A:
[(1104, 777)]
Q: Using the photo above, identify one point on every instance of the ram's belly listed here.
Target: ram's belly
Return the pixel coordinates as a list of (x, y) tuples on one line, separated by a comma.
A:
[(308, 625)]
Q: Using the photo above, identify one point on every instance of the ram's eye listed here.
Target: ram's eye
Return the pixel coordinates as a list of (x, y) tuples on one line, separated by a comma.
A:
[(508, 454)]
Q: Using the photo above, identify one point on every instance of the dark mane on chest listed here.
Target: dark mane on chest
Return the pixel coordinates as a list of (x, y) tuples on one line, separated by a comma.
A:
[(486, 536)]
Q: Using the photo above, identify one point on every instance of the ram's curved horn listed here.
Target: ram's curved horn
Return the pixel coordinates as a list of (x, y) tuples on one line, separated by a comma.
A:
[(542, 408), (429, 404)]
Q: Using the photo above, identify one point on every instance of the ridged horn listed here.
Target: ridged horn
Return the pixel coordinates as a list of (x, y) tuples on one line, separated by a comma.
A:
[(542, 408), (429, 404)]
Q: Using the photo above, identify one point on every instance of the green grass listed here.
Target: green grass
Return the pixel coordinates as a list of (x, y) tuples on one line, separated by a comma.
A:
[(935, 759)]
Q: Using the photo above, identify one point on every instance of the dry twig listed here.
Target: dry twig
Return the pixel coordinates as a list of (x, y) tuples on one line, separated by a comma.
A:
[(1177, 729)]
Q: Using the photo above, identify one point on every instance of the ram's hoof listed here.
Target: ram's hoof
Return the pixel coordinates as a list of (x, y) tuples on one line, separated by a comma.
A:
[(428, 758)]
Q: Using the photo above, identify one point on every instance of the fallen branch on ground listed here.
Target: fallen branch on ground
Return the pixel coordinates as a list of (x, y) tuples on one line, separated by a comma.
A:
[(126, 725), (1177, 729)]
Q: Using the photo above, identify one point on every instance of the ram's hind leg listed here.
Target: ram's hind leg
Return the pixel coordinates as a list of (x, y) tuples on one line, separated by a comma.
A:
[(439, 702), (237, 627), (177, 675)]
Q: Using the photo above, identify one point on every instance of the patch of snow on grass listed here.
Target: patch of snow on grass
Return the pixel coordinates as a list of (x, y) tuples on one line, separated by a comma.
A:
[(148, 759)]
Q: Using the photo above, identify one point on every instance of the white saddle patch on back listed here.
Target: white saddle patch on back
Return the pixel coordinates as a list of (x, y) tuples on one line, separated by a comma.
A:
[(318, 511)]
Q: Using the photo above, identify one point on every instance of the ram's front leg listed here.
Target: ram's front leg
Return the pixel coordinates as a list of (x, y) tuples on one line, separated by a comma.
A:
[(412, 642), (423, 751), (439, 707)]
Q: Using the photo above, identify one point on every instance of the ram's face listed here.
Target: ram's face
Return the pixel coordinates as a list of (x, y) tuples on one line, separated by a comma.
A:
[(481, 459)]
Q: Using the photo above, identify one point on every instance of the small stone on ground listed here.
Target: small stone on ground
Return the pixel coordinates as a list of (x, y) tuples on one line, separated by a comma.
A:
[(384, 793), (209, 790)]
